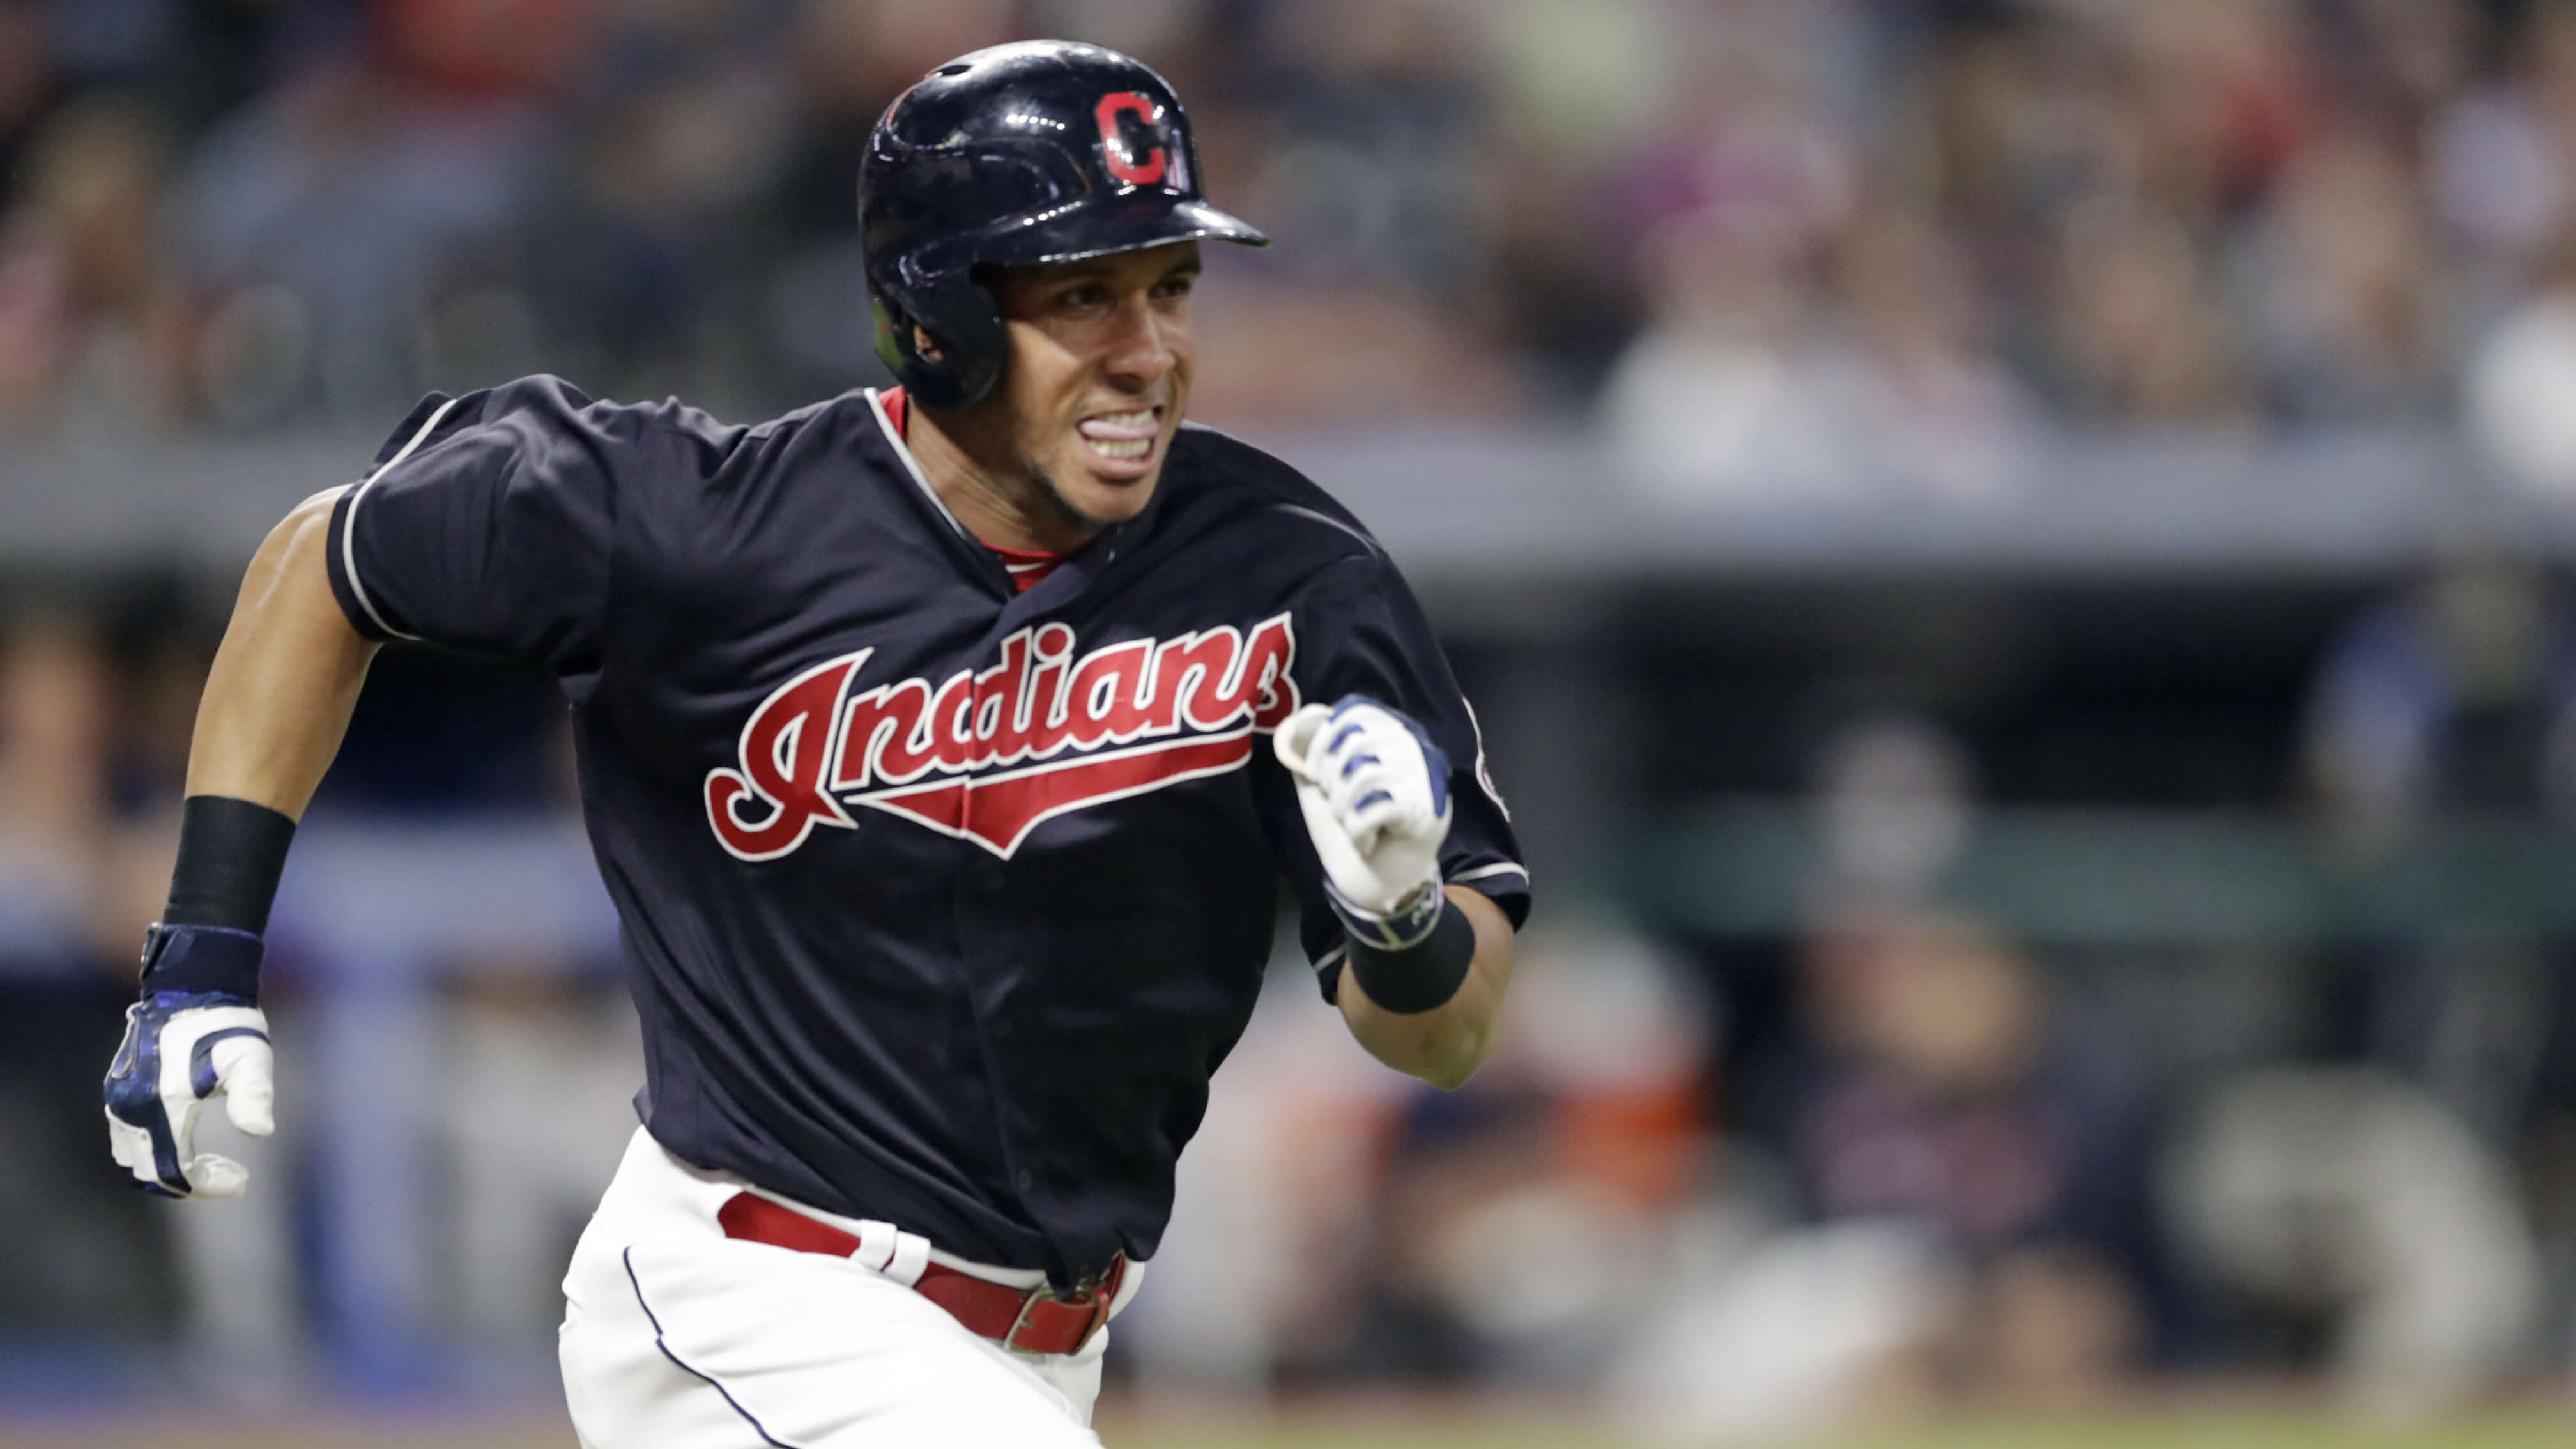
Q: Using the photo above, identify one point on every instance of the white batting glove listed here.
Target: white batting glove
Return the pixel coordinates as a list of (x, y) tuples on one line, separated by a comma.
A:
[(182, 1047), (1375, 793)]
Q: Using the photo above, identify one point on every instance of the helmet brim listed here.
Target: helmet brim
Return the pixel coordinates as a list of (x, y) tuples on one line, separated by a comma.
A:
[(1100, 228)]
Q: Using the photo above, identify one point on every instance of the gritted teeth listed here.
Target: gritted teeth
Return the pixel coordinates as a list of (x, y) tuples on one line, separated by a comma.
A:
[(1120, 427), (1121, 447)]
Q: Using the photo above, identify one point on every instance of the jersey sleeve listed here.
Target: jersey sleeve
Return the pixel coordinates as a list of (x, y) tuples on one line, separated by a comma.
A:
[(487, 524), (1361, 632)]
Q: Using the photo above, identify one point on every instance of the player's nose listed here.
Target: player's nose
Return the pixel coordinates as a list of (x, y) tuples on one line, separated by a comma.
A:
[(1143, 347)]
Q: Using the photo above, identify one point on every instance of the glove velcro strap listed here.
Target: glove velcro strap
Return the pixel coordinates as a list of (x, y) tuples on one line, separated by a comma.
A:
[(217, 960), (1423, 975), (1405, 927)]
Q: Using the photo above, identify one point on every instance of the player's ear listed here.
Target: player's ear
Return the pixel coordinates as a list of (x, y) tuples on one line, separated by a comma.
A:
[(926, 345)]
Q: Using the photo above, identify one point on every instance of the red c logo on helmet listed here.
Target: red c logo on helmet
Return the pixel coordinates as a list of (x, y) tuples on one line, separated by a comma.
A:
[(1113, 146)]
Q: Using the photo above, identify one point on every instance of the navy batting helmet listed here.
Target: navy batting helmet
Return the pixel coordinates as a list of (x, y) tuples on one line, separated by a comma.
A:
[(1041, 151)]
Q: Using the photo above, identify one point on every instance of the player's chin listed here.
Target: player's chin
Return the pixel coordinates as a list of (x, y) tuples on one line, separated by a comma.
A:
[(1111, 490)]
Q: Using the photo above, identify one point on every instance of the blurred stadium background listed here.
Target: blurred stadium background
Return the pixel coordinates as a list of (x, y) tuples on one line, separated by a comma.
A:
[(2013, 555)]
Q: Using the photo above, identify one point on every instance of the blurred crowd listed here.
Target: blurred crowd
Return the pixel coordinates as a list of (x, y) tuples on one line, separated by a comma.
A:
[(98, 695), (1893, 1160), (1731, 230), (93, 740)]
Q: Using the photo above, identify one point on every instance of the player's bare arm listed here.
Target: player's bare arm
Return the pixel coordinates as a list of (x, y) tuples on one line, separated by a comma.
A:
[(286, 677), (276, 705), (1445, 1045)]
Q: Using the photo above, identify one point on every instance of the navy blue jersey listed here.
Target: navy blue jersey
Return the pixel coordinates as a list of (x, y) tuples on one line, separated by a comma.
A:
[(941, 900)]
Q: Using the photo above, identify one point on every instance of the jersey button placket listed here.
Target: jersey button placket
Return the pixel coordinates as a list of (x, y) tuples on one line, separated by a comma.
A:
[(980, 889)]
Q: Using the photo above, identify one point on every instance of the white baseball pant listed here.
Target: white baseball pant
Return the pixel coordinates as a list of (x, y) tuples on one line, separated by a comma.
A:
[(678, 1337)]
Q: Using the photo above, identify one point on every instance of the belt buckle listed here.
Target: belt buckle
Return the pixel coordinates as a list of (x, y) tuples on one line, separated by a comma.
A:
[(1095, 1292), (1029, 1300)]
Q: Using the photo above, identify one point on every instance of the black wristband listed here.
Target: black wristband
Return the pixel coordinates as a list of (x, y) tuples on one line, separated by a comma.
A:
[(1422, 976), (231, 853)]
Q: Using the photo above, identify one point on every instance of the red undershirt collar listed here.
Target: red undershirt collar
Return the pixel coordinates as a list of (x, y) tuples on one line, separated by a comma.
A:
[(1026, 566)]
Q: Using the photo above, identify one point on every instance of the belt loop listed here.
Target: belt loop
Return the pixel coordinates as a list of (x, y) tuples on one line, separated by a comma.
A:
[(878, 1243), (911, 1256)]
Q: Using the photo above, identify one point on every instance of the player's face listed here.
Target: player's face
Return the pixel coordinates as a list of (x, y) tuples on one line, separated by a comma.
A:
[(1098, 374)]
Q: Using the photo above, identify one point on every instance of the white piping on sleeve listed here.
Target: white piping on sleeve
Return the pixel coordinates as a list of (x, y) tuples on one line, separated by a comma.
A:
[(912, 465), (1483, 871), (349, 523)]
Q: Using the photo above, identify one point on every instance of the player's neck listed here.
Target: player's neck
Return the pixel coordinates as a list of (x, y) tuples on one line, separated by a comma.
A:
[(993, 500)]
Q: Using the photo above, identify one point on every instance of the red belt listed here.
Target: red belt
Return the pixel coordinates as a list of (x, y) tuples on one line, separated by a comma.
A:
[(1034, 1320)]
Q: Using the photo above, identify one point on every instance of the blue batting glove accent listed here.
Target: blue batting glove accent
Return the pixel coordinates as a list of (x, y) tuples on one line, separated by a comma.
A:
[(200, 997), (1434, 758), (133, 1087)]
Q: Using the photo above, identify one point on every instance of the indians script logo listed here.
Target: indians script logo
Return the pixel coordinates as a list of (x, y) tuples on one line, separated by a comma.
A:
[(986, 756)]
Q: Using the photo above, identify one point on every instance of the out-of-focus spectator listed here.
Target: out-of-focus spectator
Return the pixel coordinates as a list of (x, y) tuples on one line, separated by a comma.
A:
[(83, 1255), (1263, 1272), (1378, 170), (524, 1029), (1369, 164), (1923, 389), (2137, 323), (2518, 381), (2497, 154), (846, 60), (2342, 293), (1895, 802), (1968, 1163), (84, 321), (2459, 695), (355, 235), (1945, 1039), (26, 84), (56, 704), (1728, 393), (2352, 1198), (2455, 703), (1797, 350), (2452, 704), (1280, 353), (1585, 1132), (1724, 397), (530, 1025), (1337, 1221)]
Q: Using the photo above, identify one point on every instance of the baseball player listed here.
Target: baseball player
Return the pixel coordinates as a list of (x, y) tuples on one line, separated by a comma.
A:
[(942, 749)]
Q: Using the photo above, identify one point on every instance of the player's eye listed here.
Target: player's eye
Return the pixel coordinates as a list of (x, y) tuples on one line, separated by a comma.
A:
[(1083, 294), (1178, 285)]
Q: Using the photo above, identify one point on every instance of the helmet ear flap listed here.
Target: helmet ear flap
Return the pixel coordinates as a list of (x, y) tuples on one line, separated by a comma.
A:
[(962, 321)]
